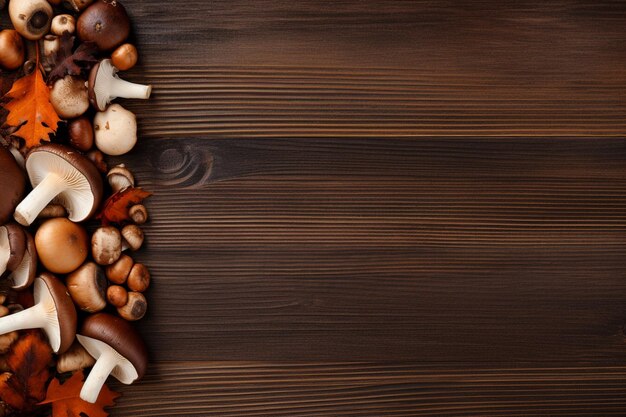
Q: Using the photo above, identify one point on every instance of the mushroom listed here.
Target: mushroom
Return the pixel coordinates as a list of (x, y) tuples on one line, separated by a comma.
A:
[(118, 272), (63, 23), (105, 23), (77, 5), (138, 214), (118, 349), (97, 158), (106, 245), (24, 275), (62, 245), (105, 86), (135, 308), (80, 132), (12, 184), (69, 97), (124, 57), (120, 177), (12, 247), (11, 49), (52, 211), (87, 286), (51, 46), (31, 18), (75, 358), (53, 312), (117, 295), (139, 278), (60, 173), (133, 237), (115, 130)]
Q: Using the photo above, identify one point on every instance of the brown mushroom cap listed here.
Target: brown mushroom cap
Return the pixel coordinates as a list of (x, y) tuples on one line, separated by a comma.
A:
[(105, 23), (17, 245), (121, 336), (66, 312), (12, 184), (47, 158)]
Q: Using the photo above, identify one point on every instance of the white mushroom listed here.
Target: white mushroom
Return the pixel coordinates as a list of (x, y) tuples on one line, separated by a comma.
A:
[(105, 86), (115, 130)]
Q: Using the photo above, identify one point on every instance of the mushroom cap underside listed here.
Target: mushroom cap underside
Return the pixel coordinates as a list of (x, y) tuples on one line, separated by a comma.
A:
[(62, 330)]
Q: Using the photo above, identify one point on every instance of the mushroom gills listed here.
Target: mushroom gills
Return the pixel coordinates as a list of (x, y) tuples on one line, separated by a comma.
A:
[(51, 186), (108, 362), (22, 274), (5, 249), (40, 316)]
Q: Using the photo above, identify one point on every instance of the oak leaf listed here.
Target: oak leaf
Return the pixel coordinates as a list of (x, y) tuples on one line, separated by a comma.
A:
[(115, 209), (66, 401), (29, 109), (72, 63), (29, 359)]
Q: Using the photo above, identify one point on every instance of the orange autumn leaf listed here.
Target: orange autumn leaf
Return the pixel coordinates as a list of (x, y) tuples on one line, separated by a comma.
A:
[(25, 385), (65, 398), (30, 109), (115, 209)]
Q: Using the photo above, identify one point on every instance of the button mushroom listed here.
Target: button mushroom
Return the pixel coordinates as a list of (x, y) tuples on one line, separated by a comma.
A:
[(62, 245), (75, 358), (105, 86), (53, 312), (11, 49), (87, 286), (119, 177), (60, 173), (63, 23), (12, 184), (106, 245), (135, 308), (105, 23), (31, 18), (115, 130), (69, 97), (118, 349)]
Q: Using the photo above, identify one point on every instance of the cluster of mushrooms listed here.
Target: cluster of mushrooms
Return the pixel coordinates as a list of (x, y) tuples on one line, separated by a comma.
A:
[(76, 276)]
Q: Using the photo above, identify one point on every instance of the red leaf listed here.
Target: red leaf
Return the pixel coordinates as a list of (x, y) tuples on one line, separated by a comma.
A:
[(115, 209), (65, 398)]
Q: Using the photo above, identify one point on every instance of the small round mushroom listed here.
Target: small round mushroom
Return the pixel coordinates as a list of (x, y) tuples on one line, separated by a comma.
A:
[(31, 18), (12, 247), (105, 23), (11, 50), (138, 214), (51, 211), (87, 286), (53, 312), (69, 97), (117, 295), (105, 86), (76, 5), (136, 307), (139, 278), (124, 57), (63, 23), (12, 184), (56, 171), (118, 272), (74, 359), (118, 349), (120, 177), (80, 132), (24, 275), (51, 46), (62, 245), (97, 158), (106, 245), (133, 236), (115, 130)]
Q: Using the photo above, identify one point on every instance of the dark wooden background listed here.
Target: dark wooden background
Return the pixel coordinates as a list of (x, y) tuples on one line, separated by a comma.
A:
[(383, 207)]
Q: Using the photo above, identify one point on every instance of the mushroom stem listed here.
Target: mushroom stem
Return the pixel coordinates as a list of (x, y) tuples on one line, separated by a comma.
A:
[(126, 89), (31, 318), (28, 210), (98, 375)]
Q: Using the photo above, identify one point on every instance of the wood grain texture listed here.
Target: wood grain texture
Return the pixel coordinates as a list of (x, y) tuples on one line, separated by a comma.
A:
[(432, 189), (392, 389)]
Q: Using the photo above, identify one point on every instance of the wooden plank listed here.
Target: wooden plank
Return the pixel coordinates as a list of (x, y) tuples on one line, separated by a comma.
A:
[(472, 251), (390, 389), (290, 69)]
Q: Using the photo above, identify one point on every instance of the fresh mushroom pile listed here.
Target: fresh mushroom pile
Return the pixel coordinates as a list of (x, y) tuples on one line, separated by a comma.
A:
[(54, 241)]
